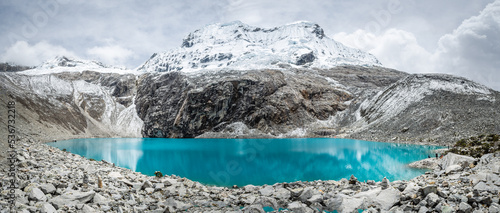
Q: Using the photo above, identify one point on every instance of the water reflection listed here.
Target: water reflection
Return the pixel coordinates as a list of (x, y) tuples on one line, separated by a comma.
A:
[(229, 162)]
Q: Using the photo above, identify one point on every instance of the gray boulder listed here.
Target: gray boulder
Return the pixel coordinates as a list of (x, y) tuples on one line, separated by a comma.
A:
[(282, 193), (387, 198), (432, 200), (36, 195), (454, 159), (429, 189), (47, 208), (47, 188), (266, 191), (71, 198), (306, 194), (464, 208)]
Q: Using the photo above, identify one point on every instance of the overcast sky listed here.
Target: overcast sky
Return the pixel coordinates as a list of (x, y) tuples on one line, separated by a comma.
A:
[(460, 37)]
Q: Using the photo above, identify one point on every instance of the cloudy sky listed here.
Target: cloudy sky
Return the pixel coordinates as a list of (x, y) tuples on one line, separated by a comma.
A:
[(460, 37)]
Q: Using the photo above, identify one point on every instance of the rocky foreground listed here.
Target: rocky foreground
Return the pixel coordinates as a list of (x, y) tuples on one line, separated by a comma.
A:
[(51, 180)]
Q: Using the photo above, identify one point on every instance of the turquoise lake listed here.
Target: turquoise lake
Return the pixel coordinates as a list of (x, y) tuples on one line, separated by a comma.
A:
[(227, 162)]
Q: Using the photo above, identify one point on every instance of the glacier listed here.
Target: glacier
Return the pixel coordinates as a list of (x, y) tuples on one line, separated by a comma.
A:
[(239, 46)]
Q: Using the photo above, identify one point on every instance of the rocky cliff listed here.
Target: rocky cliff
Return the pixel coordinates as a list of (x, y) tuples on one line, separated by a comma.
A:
[(254, 103)]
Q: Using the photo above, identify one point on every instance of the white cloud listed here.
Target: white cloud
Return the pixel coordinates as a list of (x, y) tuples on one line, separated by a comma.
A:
[(111, 54), (394, 48), (473, 49), (32, 55)]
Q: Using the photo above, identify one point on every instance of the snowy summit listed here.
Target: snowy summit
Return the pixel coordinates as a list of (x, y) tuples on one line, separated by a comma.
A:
[(239, 46), (68, 64)]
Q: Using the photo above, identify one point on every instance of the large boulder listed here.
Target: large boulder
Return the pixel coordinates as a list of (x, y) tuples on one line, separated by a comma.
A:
[(71, 198), (454, 159)]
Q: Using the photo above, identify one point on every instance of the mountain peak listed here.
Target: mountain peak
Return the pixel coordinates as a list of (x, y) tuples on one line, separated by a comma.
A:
[(65, 61), (236, 45)]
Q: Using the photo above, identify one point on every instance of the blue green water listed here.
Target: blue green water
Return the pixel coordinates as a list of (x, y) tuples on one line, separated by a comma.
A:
[(227, 162)]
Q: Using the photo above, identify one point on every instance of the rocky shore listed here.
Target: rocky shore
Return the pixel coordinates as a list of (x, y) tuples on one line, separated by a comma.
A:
[(51, 180)]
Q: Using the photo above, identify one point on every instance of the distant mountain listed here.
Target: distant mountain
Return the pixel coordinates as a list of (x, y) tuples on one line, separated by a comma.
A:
[(239, 46), (70, 64), (7, 67)]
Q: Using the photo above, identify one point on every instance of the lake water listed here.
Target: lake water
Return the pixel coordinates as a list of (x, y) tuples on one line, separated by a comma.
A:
[(227, 162)]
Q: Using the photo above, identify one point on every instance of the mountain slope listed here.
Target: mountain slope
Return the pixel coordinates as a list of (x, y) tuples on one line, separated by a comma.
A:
[(430, 107), (242, 47), (67, 105)]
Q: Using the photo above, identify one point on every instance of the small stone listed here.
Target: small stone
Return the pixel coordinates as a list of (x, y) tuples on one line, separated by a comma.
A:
[(429, 189), (282, 193), (99, 182), (464, 207), (306, 194), (105, 208), (253, 208), (159, 185), (494, 208), (149, 190), (384, 183), (353, 180), (79, 206), (99, 199), (432, 200), (334, 203), (452, 169), (47, 208), (447, 209), (88, 209), (147, 184), (267, 191), (423, 209), (315, 198), (115, 175), (295, 205), (402, 187)]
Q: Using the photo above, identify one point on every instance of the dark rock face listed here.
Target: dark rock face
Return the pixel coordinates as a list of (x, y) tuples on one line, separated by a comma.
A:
[(306, 58), (318, 31), (6, 67), (274, 102)]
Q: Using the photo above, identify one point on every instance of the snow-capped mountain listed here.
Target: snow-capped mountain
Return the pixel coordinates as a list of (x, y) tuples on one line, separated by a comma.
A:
[(69, 64), (239, 46)]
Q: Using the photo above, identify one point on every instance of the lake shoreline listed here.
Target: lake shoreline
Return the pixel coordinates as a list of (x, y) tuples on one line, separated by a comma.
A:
[(51, 180)]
